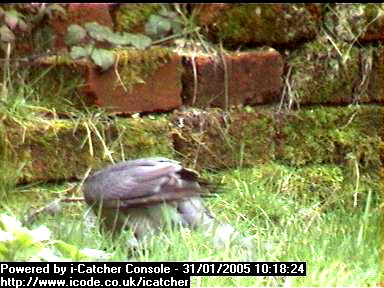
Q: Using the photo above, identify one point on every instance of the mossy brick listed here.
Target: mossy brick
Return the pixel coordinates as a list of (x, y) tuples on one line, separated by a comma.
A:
[(247, 78), (58, 149), (375, 79), (214, 139), (324, 74), (339, 135), (352, 23), (250, 25), (143, 81)]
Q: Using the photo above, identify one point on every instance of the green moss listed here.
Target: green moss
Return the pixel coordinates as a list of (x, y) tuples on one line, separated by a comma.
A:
[(321, 75), (345, 135), (51, 150), (252, 135), (136, 65), (214, 139), (132, 17), (264, 24), (143, 137)]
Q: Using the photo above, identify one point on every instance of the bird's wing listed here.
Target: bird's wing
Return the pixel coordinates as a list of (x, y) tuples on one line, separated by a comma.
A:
[(152, 200), (135, 184)]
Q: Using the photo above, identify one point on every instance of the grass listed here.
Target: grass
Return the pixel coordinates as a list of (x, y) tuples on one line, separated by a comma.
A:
[(339, 242)]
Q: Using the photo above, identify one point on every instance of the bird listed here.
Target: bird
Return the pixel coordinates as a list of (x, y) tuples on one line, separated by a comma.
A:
[(145, 194)]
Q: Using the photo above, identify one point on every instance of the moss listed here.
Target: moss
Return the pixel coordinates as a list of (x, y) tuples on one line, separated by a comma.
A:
[(320, 74), (51, 150), (252, 135), (333, 135), (264, 24), (136, 65), (214, 139), (144, 137), (325, 135), (132, 17)]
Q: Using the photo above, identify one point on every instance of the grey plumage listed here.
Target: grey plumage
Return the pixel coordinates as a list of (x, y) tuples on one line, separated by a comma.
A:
[(142, 194)]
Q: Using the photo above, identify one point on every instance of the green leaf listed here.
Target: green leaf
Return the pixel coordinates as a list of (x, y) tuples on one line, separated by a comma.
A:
[(78, 52), (119, 38), (157, 26), (30, 252), (75, 34), (9, 223), (97, 31), (137, 40), (6, 34), (6, 236), (140, 41), (73, 252), (103, 58), (94, 253), (46, 254), (167, 13), (67, 250), (41, 233), (18, 243)]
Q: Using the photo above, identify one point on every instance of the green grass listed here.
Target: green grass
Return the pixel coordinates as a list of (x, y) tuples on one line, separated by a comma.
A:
[(339, 242)]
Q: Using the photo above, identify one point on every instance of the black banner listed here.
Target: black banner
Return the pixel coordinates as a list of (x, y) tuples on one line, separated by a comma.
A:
[(134, 274)]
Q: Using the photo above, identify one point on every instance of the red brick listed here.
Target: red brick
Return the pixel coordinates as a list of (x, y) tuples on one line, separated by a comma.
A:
[(160, 92), (253, 78)]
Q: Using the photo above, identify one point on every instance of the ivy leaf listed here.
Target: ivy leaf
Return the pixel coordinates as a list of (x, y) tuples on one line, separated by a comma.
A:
[(103, 58), (75, 34), (97, 31), (66, 249), (6, 34), (167, 13), (119, 38), (140, 41), (11, 18), (78, 52), (157, 26)]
